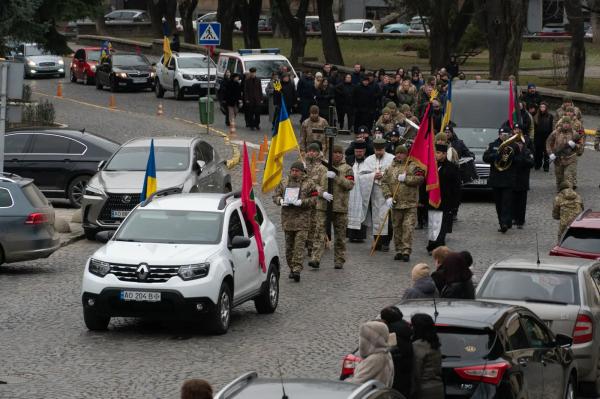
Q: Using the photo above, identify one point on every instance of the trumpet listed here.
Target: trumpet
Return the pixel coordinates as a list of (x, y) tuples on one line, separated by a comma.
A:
[(506, 152)]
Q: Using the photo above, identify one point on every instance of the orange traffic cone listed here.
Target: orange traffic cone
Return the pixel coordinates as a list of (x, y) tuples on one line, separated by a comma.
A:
[(253, 168), (111, 102), (159, 110), (59, 89), (264, 147)]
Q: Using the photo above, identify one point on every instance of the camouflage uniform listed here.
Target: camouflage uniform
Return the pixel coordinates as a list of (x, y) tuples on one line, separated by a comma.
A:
[(316, 171), (294, 219), (308, 136), (565, 165), (560, 112), (386, 126), (342, 184), (597, 140), (404, 214), (567, 205)]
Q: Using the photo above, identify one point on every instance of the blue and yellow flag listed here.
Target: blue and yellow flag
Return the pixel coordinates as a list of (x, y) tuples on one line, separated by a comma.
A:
[(105, 51), (282, 141), (447, 108), (150, 177), (166, 50)]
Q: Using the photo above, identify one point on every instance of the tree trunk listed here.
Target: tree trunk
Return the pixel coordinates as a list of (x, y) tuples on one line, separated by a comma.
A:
[(170, 11), (225, 15), (279, 27), (439, 37), (503, 23), (295, 25), (186, 10), (250, 12), (156, 14), (576, 71), (100, 23), (329, 39)]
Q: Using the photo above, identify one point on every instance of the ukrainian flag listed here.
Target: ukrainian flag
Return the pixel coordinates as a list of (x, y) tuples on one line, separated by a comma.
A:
[(282, 141), (166, 50), (447, 108), (150, 178)]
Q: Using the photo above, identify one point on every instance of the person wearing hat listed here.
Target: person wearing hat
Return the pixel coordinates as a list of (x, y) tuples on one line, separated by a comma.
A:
[(343, 182), (308, 135), (296, 194), (316, 171), (252, 100), (385, 122), (393, 138), (564, 146), (568, 102), (400, 187), (377, 164), (422, 284), (503, 180), (365, 99), (360, 195), (362, 135), (532, 96), (523, 163), (288, 93), (567, 205)]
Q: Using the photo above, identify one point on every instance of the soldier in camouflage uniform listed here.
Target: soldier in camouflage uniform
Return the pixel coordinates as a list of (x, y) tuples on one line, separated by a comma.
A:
[(294, 215), (403, 180), (343, 181), (597, 140), (564, 145), (385, 122), (316, 171), (567, 205), (314, 121), (567, 103)]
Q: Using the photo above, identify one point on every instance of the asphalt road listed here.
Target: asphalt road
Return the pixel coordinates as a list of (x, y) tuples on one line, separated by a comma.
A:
[(48, 353)]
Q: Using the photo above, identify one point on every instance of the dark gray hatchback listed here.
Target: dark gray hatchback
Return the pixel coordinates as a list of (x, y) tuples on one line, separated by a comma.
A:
[(26, 221)]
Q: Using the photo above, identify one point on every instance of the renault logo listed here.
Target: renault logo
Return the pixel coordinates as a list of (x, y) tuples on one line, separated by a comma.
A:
[(126, 199), (143, 271)]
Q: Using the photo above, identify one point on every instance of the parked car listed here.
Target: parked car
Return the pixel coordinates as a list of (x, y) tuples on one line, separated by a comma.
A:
[(396, 28), (582, 237), (554, 29), (250, 386), (563, 292), (312, 23), (175, 256), (187, 163), (26, 221), (38, 62), (125, 70), (127, 16), (417, 27), (60, 161), (493, 350), (84, 63), (186, 73), (265, 23), (357, 26)]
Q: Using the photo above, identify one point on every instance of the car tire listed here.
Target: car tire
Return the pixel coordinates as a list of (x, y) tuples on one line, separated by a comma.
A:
[(90, 234), (72, 76), (94, 321), (267, 301), (570, 390), (86, 79), (76, 189), (177, 92), (159, 90), (219, 323), (62, 75)]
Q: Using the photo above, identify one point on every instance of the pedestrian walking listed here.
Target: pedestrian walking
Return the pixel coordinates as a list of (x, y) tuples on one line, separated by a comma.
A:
[(196, 389), (422, 284), (316, 171), (400, 348), (221, 95), (233, 97), (564, 146), (308, 133), (377, 363), (360, 195), (567, 205), (456, 278), (427, 367), (296, 194), (252, 100), (544, 124), (523, 164)]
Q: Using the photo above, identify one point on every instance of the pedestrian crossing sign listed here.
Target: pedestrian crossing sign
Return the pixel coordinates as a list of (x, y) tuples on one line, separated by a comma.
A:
[(209, 33)]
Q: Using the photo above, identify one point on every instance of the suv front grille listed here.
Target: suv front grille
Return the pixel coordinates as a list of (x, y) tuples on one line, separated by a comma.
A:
[(138, 74), (204, 77), (483, 171), (46, 64), (117, 202), (157, 274)]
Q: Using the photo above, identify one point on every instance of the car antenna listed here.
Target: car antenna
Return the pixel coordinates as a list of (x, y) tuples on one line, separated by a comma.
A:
[(281, 379), (435, 311), (83, 130), (537, 248)]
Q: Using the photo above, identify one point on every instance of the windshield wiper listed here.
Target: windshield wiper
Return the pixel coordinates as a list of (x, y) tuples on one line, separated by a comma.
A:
[(450, 357), (550, 301), (127, 240)]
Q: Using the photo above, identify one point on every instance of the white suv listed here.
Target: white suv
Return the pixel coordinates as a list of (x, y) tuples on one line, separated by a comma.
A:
[(184, 256), (186, 73)]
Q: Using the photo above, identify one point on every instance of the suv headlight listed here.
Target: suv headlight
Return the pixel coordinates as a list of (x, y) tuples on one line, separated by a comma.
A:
[(61, 62), (121, 75), (191, 272), (93, 68), (31, 63), (99, 268), (93, 191), (152, 74), (187, 77)]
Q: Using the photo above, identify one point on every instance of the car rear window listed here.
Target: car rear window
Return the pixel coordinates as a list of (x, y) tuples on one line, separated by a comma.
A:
[(136, 158), (583, 240), (6, 200), (35, 196), (541, 286), (465, 343)]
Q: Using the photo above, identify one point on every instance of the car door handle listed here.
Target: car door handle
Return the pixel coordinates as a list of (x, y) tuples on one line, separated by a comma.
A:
[(523, 362)]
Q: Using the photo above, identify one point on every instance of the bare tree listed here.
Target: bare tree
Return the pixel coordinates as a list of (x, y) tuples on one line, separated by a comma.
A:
[(225, 15), (576, 71), (331, 45), (156, 14), (295, 25), (250, 12), (186, 11), (100, 22), (170, 12), (593, 6)]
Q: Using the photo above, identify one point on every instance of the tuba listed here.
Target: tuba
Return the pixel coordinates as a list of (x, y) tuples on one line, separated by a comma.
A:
[(506, 152)]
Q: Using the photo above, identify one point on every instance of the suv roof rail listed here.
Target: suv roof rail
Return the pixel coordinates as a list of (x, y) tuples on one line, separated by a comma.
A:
[(236, 385), (365, 388), (161, 193), (236, 194), (583, 214), (9, 177)]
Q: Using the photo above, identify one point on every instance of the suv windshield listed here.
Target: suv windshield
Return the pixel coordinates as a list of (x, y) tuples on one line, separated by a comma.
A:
[(136, 158), (464, 343), (531, 286), (171, 226), (194, 62), (265, 68), (129, 60), (479, 109), (477, 138), (583, 240)]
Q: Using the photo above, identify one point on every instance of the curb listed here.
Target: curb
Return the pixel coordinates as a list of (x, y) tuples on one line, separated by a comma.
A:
[(72, 239)]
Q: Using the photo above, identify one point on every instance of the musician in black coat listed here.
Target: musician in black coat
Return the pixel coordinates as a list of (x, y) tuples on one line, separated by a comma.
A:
[(524, 161)]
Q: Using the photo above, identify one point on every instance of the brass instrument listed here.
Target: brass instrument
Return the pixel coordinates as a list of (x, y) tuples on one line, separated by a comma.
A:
[(506, 152)]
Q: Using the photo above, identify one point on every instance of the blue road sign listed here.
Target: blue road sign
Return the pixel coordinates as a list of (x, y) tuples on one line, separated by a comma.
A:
[(209, 33)]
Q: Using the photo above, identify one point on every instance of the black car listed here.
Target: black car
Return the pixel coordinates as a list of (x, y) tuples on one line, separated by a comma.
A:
[(60, 161), (124, 70), (492, 350)]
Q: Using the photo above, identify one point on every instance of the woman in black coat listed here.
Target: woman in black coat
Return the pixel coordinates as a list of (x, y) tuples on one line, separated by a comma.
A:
[(402, 352), (544, 124), (325, 98), (455, 277)]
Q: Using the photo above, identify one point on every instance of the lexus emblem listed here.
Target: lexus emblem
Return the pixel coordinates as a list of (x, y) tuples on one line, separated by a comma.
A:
[(142, 271), (126, 199)]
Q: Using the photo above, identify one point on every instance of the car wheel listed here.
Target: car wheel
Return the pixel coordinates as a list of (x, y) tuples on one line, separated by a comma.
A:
[(177, 91), (222, 314), (570, 391), (76, 189), (86, 79), (94, 321), (62, 75), (72, 76), (159, 90), (90, 234), (269, 298)]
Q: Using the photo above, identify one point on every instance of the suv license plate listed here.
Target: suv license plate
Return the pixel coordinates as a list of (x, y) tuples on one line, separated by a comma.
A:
[(140, 80), (119, 214), (482, 182), (140, 296)]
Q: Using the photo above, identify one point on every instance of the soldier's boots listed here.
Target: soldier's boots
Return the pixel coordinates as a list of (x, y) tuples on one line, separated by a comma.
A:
[(338, 266), (398, 256), (314, 264), (296, 276), (291, 275)]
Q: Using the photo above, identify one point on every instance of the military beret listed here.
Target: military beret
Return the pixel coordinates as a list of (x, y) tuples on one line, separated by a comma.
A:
[(401, 149), (314, 147), (360, 145), (338, 148), (298, 165), (379, 142)]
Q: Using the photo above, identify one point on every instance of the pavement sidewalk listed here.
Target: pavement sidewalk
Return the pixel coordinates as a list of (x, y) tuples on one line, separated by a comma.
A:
[(68, 224)]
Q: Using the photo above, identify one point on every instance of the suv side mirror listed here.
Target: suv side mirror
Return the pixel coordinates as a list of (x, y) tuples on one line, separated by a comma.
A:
[(201, 164), (105, 236), (238, 242), (101, 165), (563, 340)]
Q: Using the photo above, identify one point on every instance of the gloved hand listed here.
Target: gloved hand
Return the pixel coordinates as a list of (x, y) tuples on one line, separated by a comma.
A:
[(402, 177), (389, 202), (330, 174), (328, 197), (282, 202), (298, 202), (552, 157), (571, 144)]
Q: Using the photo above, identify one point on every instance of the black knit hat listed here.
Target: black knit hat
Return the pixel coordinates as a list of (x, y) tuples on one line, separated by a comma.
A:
[(298, 165)]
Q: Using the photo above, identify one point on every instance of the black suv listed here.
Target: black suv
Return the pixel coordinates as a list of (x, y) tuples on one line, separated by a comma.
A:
[(124, 70)]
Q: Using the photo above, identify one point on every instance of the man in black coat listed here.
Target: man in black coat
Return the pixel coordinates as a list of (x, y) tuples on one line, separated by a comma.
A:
[(232, 96), (523, 163), (252, 100), (307, 93), (343, 101), (362, 135), (402, 352), (364, 99), (532, 96), (288, 91), (502, 181)]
